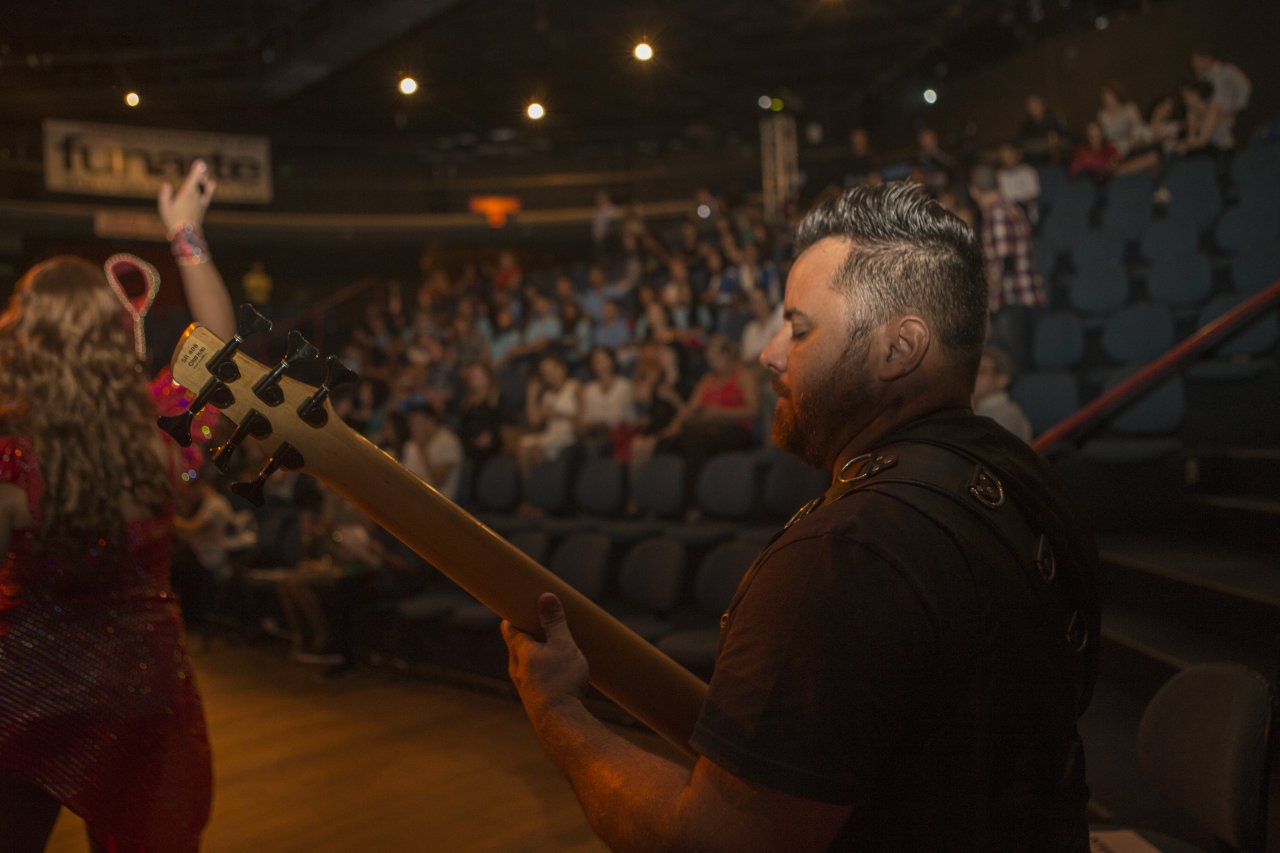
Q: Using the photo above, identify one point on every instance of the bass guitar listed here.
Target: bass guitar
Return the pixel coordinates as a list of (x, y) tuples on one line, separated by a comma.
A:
[(297, 427)]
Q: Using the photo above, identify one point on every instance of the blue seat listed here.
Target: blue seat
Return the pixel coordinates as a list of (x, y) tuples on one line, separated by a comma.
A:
[(1053, 180), (1256, 337), (497, 494), (1058, 341), (1080, 193), (1194, 191), (1154, 412), (791, 483), (547, 485), (1099, 290), (1183, 279), (727, 485), (694, 645), (1245, 225), (658, 486), (1044, 256), (650, 585), (1141, 428), (582, 561), (1256, 267), (1140, 333), (1064, 226), (498, 484), (1097, 248), (1128, 208), (1173, 235), (1256, 173), (1048, 397), (600, 487)]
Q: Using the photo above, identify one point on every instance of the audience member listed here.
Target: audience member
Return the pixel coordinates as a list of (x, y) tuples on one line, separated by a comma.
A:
[(607, 410), (202, 519), (480, 420), (432, 451), (1043, 137), (1095, 157), (862, 160), (991, 393), (937, 166), (1230, 95), (1019, 183), (719, 414), (551, 412), (1016, 290)]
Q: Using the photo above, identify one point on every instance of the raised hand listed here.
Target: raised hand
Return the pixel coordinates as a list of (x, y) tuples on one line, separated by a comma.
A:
[(188, 203)]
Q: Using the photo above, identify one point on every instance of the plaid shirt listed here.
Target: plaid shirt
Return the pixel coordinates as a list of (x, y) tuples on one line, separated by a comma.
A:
[(1006, 245)]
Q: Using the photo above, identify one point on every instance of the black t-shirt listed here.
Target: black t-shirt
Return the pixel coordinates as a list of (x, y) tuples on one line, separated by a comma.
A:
[(865, 661)]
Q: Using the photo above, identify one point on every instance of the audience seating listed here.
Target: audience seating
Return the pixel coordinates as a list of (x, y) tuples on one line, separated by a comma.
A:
[(651, 582), (1204, 743), (1247, 224), (1180, 280), (1194, 191), (718, 576), (1172, 236), (1128, 205), (1099, 289)]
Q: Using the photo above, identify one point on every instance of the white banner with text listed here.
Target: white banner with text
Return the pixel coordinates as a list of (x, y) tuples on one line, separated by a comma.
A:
[(132, 162)]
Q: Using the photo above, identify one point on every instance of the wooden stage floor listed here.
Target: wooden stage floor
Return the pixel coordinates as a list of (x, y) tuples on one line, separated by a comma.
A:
[(373, 761)]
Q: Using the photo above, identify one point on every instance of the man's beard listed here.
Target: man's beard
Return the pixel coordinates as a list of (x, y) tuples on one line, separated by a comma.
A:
[(816, 423)]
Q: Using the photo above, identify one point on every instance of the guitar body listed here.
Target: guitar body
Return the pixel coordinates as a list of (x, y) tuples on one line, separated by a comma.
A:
[(628, 669)]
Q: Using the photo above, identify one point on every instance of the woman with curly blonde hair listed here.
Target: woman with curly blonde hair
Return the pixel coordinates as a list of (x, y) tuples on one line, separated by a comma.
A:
[(98, 706)]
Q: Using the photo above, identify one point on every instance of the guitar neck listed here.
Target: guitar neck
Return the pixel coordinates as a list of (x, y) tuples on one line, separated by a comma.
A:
[(628, 669)]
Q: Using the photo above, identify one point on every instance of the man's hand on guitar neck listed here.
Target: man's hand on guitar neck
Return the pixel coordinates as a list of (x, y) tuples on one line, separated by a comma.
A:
[(551, 673), (633, 799)]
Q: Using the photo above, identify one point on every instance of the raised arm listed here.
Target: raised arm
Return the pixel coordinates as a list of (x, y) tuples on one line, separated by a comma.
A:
[(182, 212)]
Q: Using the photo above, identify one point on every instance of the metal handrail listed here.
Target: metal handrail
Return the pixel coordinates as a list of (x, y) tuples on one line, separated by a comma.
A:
[(1195, 342)]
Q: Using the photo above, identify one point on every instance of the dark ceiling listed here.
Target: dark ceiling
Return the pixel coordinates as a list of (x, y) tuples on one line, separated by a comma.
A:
[(314, 69)]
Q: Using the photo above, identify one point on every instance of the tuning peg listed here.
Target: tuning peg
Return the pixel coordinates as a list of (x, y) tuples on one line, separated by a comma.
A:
[(248, 323), (179, 425), (286, 456), (267, 388), (254, 424), (336, 375)]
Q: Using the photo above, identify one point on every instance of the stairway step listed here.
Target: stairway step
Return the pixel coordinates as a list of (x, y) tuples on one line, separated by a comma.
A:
[(1262, 506), (1246, 576), (1172, 644)]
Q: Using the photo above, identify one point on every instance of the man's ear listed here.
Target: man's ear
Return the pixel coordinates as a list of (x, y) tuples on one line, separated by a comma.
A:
[(904, 344)]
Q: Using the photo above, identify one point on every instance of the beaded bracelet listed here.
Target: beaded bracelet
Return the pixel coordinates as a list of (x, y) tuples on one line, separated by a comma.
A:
[(188, 245)]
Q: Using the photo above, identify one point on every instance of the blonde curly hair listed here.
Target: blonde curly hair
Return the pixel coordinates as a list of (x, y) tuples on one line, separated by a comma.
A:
[(71, 382)]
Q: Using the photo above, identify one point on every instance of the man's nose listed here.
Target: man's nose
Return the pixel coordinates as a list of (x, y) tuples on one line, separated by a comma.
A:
[(774, 355)]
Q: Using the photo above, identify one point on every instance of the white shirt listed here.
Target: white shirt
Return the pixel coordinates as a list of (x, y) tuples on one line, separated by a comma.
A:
[(1005, 412), (1019, 184), (443, 448), (611, 408)]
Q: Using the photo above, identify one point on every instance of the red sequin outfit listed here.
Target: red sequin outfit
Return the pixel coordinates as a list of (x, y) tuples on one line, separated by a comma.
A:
[(98, 701)]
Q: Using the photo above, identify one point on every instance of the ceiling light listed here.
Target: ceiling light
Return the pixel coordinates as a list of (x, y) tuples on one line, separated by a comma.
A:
[(535, 111), (132, 99), (408, 85), (930, 96), (763, 102), (644, 51)]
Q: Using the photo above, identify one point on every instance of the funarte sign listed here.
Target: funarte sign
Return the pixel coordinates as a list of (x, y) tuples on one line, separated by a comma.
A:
[(132, 162)]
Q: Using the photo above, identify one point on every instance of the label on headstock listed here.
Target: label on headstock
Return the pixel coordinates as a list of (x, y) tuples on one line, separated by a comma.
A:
[(194, 354)]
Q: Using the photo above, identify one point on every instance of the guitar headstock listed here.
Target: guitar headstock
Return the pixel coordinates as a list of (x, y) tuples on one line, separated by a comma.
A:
[(293, 421)]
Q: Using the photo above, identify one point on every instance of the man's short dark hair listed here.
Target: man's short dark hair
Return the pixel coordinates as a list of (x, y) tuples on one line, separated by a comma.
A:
[(909, 255)]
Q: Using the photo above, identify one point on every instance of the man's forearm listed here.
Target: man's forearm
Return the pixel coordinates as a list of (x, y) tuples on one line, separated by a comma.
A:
[(631, 797)]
